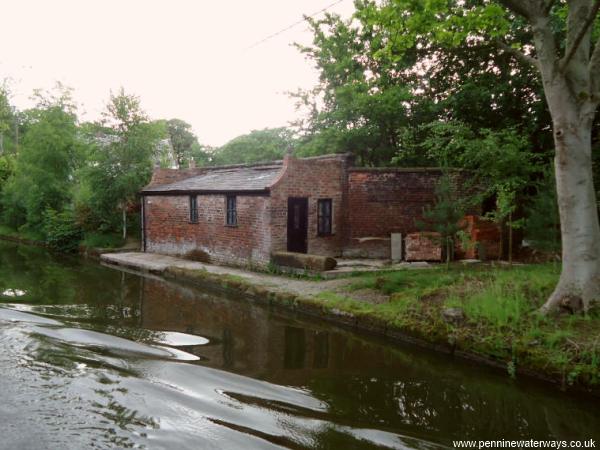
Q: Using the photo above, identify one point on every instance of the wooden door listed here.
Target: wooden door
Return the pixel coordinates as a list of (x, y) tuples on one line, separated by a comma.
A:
[(297, 230)]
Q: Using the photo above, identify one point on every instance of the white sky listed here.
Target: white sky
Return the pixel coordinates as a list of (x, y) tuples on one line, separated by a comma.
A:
[(186, 59)]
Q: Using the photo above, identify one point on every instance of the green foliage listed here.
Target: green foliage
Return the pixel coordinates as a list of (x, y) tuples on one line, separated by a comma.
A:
[(7, 169), (501, 162), (445, 215), (542, 227), (22, 233), (361, 102), (49, 154), (257, 146), (497, 296), (123, 113), (102, 240), (500, 316), (7, 120), (62, 230), (183, 140), (121, 164), (396, 66)]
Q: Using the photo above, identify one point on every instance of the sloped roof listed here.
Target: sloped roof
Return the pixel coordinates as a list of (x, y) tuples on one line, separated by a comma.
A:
[(237, 178)]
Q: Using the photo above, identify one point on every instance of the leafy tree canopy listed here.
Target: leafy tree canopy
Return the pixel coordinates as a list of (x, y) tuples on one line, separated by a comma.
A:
[(257, 146), (183, 141), (385, 72), (50, 151), (121, 164)]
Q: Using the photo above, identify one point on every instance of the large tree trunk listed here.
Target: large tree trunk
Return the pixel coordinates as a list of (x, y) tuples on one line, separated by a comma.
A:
[(579, 283), (572, 90)]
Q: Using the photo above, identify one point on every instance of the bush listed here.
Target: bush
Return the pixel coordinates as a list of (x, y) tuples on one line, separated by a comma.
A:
[(542, 228), (62, 230), (103, 240)]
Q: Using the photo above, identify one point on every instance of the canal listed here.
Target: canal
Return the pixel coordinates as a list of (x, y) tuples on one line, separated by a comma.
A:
[(92, 356)]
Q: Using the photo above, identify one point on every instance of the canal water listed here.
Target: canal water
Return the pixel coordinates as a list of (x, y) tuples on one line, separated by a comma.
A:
[(94, 357)]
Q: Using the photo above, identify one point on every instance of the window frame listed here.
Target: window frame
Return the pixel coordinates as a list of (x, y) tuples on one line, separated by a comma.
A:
[(320, 217), (231, 211), (193, 205)]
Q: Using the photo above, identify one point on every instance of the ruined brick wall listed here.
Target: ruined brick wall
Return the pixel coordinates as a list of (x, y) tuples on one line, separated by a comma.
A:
[(315, 178), (169, 231), (385, 201)]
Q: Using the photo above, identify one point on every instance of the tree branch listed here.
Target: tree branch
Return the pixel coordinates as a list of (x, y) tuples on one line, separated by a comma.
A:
[(582, 32), (524, 8), (519, 55), (548, 4)]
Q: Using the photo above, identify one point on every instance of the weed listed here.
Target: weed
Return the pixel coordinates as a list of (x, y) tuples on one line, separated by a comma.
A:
[(511, 368)]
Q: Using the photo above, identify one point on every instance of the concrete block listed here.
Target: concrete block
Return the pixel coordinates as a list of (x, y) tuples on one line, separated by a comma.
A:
[(396, 250)]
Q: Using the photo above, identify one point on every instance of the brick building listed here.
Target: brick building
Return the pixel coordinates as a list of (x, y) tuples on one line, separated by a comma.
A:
[(241, 214)]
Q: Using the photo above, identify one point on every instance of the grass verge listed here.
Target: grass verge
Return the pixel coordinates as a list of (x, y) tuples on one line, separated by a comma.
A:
[(90, 240), (21, 234), (102, 240), (495, 316)]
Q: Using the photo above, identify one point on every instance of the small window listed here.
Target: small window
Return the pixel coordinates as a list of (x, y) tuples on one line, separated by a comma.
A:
[(231, 210), (324, 216), (193, 209)]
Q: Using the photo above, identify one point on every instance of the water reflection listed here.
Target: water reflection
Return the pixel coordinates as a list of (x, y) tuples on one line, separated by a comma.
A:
[(260, 377)]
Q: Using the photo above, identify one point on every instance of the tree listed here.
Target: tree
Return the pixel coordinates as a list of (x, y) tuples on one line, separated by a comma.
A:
[(361, 103), (501, 164), (183, 141), (542, 227), (557, 39), (444, 217), (257, 146), (572, 88), (7, 118), (7, 169), (51, 151), (372, 102), (125, 145)]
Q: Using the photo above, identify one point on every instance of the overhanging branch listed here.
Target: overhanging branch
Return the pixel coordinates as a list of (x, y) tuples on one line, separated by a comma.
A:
[(582, 32), (519, 55), (548, 4), (525, 8)]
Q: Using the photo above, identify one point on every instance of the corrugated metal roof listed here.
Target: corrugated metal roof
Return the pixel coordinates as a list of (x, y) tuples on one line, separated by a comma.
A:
[(244, 179)]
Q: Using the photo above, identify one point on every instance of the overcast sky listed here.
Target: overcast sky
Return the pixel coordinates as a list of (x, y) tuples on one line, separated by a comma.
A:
[(187, 59)]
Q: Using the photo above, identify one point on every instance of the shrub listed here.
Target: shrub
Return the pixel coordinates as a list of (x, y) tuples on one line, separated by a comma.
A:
[(103, 240), (61, 230)]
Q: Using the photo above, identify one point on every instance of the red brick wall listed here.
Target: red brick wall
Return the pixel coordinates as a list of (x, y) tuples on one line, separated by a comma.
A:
[(385, 201), (314, 178), (169, 231), (368, 205), (262, 220)]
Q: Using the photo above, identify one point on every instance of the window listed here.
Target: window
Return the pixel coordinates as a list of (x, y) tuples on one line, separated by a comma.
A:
[(324, 216), (231, 210), (193, 209)]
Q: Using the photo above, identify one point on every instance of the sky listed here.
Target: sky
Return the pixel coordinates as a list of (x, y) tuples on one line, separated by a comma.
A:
[(186, 59)]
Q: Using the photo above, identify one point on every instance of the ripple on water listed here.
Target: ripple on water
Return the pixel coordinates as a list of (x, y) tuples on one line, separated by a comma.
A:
[(177, 339), (112, 392)]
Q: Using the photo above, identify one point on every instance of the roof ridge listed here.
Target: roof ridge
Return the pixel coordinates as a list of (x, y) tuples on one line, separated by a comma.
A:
[(278, 162)]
